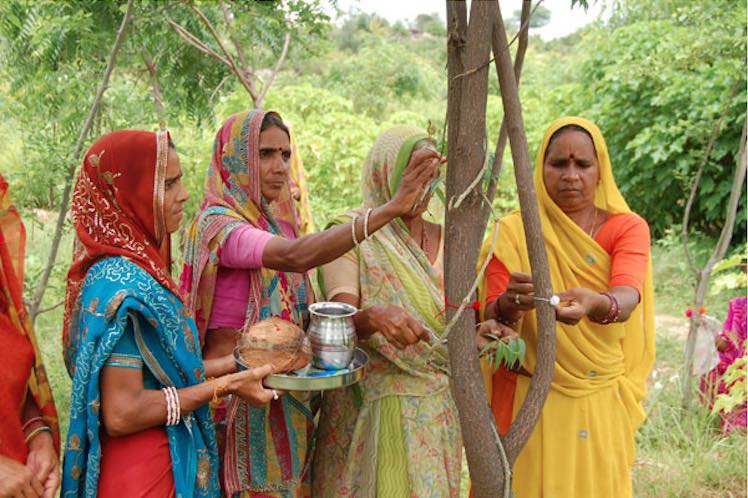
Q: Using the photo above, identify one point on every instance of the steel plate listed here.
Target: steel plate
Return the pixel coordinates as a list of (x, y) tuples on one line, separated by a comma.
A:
[(314, 379)]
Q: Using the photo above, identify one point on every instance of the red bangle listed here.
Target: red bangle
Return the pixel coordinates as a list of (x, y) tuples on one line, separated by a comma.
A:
[(613, 311), (500, 316), (30, 422)]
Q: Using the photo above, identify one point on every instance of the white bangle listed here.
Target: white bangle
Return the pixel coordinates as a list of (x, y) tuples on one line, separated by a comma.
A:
[(172, 405), (178, 407), (167, 397), (353, 230), (366, 223)]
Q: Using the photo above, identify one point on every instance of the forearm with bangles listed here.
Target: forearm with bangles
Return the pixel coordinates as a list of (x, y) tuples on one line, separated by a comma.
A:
[(127, 408)]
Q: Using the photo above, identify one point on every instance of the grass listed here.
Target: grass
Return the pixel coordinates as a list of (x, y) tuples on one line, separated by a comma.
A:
[(679, 454), (682, 453)]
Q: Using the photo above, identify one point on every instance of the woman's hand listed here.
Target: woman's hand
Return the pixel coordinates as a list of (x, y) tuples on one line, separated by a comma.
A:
[(516, 299), (518, 294), (493, 328), (420, 171), (247, 385), (396, 325), (721, 343), (17, 479), (44, 462), (581, 302)]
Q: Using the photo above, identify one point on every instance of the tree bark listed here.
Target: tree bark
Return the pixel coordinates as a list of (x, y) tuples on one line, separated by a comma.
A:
[(41, 287), (466, 125), (703, 276), (540, 384), (519, 59)]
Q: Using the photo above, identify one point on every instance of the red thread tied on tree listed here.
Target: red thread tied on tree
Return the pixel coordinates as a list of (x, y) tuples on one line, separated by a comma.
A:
[(475, 305)]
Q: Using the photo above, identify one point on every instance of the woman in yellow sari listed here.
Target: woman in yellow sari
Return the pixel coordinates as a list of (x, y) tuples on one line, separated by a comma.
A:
[(598, 252)]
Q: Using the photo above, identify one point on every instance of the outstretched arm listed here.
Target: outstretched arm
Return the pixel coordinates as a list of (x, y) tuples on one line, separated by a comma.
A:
[(316, 249)]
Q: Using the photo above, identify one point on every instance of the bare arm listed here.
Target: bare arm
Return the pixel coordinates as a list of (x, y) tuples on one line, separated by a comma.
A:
[(127, 407), (585, 302), (581, 302), (316, 249), (216, 367)]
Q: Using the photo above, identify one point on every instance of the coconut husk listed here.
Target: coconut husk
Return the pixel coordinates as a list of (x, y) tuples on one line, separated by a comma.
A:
[(277, 342)]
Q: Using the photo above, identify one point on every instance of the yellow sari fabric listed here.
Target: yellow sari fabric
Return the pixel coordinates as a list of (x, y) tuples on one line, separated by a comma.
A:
[(583, 445), (301, 197)]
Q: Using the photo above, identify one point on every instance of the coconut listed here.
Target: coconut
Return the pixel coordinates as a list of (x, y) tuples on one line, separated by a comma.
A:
[(277, 342)]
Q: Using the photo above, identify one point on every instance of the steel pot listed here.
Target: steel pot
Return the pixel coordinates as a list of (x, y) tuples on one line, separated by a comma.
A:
[(332, 334)]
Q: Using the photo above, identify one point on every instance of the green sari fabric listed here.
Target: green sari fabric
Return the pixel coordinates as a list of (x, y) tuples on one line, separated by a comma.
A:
[(406, 429)]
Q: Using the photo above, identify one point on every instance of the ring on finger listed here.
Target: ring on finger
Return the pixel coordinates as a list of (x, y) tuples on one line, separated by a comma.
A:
[(516, 299)]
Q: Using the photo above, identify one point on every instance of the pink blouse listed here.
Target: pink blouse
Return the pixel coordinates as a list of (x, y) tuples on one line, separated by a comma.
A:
[(242, 251)]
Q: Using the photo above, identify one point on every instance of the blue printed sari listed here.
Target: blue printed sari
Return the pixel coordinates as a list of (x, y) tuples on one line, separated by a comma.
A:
[(117, 293)]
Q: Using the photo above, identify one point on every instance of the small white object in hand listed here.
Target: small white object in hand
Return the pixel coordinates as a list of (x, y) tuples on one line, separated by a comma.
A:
[(554, 300)]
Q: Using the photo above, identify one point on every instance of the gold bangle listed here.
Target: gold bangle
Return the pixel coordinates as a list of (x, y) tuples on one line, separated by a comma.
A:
[(36, 432), (221, 390)]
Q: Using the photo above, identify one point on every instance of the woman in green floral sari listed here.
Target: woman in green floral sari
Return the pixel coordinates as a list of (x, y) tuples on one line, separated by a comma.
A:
[(395, 434)]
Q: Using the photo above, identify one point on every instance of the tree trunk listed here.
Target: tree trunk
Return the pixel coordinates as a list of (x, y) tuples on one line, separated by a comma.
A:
[(41, 287), (466, 111), (702, 281), (519, 59), (540, 384)]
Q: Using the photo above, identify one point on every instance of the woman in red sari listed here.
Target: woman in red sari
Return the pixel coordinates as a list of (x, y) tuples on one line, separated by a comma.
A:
[(29, 436)]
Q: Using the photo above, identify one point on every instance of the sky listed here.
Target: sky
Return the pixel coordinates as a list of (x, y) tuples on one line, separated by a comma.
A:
[(564, 20)]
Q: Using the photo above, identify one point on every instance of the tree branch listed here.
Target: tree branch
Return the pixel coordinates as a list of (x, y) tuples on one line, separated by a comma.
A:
[(160, 112), (50, 308), (522, 427), (196, 42), (463, 234), (501, 143), (523, 30), (70, 174), (718, 253), (276, 69), (229, 59), (239, 52), (519, 60), (697, 178)]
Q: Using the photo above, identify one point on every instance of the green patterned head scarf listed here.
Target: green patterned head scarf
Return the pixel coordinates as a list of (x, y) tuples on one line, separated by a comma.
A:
[(386, 162)]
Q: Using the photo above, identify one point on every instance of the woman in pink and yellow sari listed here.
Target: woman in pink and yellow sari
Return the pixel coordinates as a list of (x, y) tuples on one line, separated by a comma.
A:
[(246, 261)]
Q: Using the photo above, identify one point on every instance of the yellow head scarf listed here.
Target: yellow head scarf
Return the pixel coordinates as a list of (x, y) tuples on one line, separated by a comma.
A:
[(590, 356)]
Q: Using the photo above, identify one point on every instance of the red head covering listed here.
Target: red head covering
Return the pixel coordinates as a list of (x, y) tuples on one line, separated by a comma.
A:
[(118, 210), (15, 320)]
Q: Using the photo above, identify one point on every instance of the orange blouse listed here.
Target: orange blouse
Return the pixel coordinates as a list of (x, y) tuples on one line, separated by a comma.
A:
[(624, 236)]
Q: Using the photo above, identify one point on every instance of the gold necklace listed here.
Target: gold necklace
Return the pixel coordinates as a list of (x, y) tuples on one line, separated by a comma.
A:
[(594, 220)]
